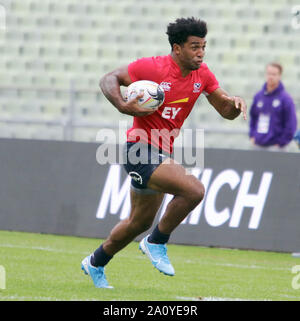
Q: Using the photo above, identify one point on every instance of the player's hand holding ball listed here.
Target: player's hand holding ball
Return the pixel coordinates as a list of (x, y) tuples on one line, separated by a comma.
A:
[(143, 98)]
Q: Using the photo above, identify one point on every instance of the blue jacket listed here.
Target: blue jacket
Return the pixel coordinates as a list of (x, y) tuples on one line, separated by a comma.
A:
[(272, 117)]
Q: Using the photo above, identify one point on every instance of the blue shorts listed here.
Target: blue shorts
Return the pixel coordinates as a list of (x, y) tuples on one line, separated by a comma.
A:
[(141, 160)]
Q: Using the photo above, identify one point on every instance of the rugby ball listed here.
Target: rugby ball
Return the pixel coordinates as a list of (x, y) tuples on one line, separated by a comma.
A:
[(153, 97)]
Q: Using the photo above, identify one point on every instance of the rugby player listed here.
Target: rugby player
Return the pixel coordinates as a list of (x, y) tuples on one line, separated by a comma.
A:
[(184, 76)]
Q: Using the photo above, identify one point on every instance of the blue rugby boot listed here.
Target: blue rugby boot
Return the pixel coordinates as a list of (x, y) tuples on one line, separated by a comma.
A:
[(96, 273), (157, 253)]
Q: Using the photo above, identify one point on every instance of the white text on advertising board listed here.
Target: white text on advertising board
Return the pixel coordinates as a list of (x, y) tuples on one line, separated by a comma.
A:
[(115, 198)]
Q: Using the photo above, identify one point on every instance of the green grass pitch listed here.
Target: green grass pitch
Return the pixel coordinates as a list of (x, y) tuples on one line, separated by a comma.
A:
[(47, 267)]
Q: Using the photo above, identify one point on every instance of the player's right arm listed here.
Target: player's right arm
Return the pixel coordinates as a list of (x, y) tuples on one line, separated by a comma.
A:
[(110, 86)]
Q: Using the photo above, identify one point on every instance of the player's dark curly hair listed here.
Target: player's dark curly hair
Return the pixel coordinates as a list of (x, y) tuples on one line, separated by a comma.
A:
[(182, 28)]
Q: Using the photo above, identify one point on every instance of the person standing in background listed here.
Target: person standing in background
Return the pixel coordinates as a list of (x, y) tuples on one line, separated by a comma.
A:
[(273, 119)]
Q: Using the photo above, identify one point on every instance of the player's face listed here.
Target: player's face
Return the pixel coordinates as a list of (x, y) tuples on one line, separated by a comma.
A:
[(273, 76), (192, 52)]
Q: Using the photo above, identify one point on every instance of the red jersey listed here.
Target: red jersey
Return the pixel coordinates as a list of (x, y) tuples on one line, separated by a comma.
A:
[(163, 126)]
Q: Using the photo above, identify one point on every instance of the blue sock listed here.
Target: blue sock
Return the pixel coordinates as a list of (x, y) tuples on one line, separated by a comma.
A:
[(100, 258), (157, 237)]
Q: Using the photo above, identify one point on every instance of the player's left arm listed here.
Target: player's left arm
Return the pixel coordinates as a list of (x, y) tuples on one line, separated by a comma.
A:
[(227, 106)]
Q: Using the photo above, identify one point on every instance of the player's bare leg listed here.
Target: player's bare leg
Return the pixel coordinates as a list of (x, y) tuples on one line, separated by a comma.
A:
[(188, 191), (143, 210), (170, 177)]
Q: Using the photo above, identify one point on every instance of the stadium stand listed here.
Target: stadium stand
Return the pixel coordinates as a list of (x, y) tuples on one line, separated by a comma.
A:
[(53, 54)]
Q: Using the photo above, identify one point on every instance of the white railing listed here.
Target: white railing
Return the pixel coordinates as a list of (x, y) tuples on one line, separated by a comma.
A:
[(68, 122)]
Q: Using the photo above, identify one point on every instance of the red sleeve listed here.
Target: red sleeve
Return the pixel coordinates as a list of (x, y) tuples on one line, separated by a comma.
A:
[(211, 83), (142, 69)]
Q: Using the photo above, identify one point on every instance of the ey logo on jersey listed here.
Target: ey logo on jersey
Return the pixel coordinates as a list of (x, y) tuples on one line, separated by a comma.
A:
[(171, 112)]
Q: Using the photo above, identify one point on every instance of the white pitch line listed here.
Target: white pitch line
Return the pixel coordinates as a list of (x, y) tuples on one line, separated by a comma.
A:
[(41, 248), (240, 266), (49, 249)]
